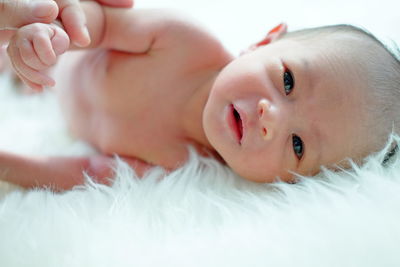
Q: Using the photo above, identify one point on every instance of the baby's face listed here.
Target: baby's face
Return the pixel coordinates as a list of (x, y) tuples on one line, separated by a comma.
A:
[(286, 107)]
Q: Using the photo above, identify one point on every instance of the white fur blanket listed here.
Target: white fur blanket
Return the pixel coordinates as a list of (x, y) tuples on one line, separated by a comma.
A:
[(203, 215), (200, 215)]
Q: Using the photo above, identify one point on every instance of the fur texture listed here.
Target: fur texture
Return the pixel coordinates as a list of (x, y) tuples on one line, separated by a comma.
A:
[(199, 215)]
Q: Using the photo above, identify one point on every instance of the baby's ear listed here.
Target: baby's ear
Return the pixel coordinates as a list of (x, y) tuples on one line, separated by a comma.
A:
[(274, 34)]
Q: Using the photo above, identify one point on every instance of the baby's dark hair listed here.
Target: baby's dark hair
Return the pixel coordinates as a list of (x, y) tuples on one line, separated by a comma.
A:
[(381, 66)]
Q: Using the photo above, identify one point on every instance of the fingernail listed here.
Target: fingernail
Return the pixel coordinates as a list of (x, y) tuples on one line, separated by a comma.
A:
[(86, 34), (42, 9), (86, 38), (51, 83)]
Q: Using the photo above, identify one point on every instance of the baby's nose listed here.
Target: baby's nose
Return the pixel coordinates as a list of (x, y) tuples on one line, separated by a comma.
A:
[(264, 108)]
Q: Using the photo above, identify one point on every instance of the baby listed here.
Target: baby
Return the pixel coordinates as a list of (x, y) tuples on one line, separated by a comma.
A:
[(152, 83)]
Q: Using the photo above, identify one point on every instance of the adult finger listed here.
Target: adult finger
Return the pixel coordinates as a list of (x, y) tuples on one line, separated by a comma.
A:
[(74, 21), (16, 13)]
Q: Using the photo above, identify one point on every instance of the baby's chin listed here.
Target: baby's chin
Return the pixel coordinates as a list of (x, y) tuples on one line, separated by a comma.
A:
[(287, 178)]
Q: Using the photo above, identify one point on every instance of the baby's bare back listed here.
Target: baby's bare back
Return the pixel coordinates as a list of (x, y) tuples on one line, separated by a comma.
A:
[(132, 104)]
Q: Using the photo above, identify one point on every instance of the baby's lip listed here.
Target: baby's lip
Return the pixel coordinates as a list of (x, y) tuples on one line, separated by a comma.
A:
[(235, 122)]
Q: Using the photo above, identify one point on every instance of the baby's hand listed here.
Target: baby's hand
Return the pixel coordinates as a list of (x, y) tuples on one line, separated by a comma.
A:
[(33, 49)]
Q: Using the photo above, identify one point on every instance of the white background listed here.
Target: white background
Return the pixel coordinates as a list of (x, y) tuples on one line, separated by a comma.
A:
[(240, 23)]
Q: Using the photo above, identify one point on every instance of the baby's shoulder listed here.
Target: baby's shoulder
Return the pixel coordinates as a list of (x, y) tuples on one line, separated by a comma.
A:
[(180, 29), (190, 39)]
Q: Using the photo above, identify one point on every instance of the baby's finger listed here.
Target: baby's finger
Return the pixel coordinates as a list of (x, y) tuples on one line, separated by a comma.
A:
[(13, 53), (74, 22), (25, 72), (47, 45), (34, 86), (3, 59), (34, 80), (43, 48), (29, 56)]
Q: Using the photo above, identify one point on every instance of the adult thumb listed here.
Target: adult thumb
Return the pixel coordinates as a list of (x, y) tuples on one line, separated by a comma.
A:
[(17, 13)]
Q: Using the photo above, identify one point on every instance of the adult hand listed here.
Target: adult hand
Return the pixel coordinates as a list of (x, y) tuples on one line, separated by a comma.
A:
[(74, 20), (17, 13)]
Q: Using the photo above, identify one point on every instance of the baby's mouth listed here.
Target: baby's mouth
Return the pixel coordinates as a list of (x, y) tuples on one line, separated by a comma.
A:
[(238, 124)]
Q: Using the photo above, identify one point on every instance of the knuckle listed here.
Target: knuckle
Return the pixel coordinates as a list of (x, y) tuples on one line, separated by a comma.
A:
[(37, 26), (8, 50), (33, 28), (40, 38), (31, 61)]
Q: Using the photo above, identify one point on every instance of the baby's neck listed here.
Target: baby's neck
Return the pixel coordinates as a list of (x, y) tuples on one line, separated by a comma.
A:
[(193, 112)]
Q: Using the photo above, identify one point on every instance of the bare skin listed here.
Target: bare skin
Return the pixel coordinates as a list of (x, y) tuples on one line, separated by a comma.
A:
[(145, 49), (133, 102), (17, 13), (153, 83)]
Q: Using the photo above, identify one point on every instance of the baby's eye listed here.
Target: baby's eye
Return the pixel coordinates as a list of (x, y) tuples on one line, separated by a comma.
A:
[(298, 146), (288, 81)]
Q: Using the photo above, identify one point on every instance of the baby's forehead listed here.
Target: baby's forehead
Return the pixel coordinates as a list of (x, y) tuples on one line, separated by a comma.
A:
[(328, 40), (330, 32), (340, 51), (346, 44)]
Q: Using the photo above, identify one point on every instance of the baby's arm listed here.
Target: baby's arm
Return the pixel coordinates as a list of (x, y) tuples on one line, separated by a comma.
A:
[(142, 30), (35, 47), (127, 30), (61, 173), (56, 173)]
